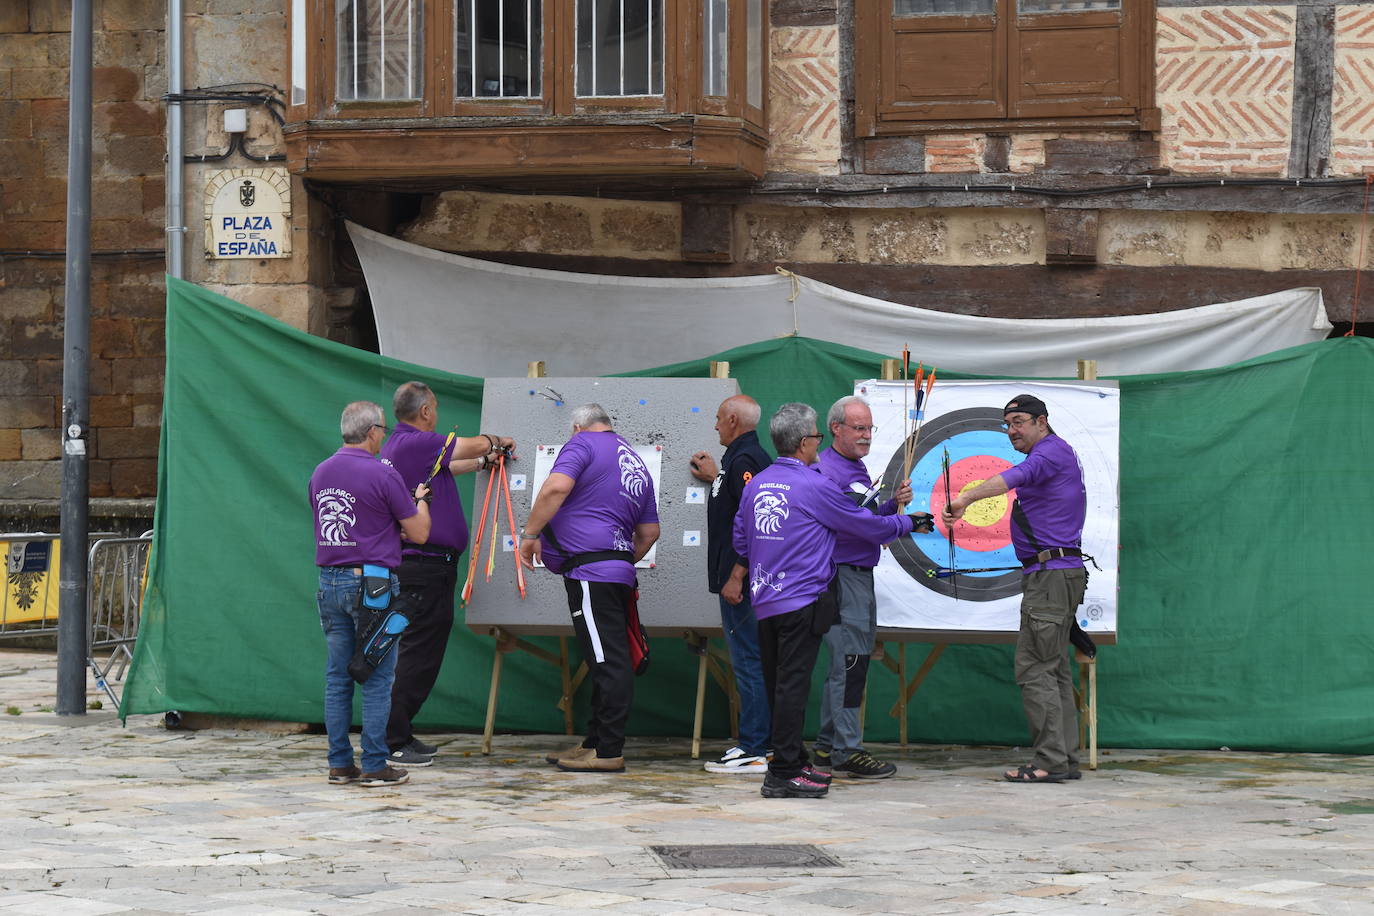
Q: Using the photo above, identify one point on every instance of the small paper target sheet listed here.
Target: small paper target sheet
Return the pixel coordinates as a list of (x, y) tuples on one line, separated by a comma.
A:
[(964, 419), (652, 456)]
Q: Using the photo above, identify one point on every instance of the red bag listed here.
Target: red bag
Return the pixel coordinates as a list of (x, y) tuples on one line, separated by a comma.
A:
[(637, 638)]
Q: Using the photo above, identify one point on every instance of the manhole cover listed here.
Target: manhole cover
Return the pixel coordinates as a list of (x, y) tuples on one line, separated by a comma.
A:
[(798, 856)]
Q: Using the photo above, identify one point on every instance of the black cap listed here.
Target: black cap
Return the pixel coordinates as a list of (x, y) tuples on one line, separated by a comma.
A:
[(1026, 403)]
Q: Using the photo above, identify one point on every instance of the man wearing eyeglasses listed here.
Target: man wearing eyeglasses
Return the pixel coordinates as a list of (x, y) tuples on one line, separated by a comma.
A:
[(429, 571), (784, 534), (1047, 534), (839, 743), (362, 509)]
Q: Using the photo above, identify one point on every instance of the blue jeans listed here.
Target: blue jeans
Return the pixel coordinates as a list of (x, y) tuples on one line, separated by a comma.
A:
[(742, 639), (339, 618)]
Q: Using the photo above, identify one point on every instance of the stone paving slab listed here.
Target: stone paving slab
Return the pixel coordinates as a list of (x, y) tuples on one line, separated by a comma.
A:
[(98, 818)]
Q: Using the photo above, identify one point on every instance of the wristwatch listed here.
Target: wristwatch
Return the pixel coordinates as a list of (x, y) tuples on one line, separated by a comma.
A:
[(528, 537)]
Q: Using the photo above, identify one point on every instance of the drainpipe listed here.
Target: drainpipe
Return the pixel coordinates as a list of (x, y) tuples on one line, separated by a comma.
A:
[(176, 220)]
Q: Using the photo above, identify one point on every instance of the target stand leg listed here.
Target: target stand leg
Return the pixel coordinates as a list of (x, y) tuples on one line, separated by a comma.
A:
[(1086, 695)]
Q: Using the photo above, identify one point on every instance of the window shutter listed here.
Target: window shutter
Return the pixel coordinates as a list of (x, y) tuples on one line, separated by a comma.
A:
[(942, 67), (1074, 64)]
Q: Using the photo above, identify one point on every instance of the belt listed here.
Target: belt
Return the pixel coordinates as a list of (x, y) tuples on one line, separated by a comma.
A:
[(444, 558), (1053, 553), (356, 570)]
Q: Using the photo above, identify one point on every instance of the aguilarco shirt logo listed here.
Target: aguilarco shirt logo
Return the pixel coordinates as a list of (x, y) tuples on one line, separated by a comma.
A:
[(770, 511), (634, 476), (334, 511)]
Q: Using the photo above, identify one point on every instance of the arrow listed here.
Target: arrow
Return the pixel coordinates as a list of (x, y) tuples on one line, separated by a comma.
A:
[(953, 571)]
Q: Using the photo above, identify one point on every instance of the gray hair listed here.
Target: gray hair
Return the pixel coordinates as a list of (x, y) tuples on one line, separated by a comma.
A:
[(837, 410), (358, 419), (410, 399), (590, 415), (789, 425)]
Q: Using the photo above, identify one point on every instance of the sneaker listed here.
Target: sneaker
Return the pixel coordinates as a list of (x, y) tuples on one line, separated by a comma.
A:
[(796, 787), (862, 765), (407, 758), (821, 759), (815, 775), (419, 747), (736, 760), (342, 776), (591, 763), (386, 776), (572, 753)]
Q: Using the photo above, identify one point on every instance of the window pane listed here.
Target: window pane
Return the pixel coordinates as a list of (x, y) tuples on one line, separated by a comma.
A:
[(715, 50), (754, 56), (379, 44), (502, 42), (942, 7), (1059, 6), (297, 52), (619, 47)]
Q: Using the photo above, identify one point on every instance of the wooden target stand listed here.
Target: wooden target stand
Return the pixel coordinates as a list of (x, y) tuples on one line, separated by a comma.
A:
[(713, 659)]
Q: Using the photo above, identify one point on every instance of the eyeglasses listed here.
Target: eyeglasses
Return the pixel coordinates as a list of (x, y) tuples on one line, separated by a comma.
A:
[(816, 436), (384, 429), (1018, 424), (861, 429)]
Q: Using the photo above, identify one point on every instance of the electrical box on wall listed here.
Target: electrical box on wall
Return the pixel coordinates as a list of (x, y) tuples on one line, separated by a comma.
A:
[(248, 214)]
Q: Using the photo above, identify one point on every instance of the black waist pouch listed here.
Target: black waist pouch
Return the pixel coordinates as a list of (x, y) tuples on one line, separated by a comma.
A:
[(825, 613)]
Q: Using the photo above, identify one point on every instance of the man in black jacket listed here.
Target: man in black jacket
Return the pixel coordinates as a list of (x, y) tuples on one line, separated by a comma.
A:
[(736, 421)]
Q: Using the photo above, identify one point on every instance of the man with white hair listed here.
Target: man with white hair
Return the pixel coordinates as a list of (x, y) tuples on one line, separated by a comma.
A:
[(595, 517), (361, 508), (839, 743)]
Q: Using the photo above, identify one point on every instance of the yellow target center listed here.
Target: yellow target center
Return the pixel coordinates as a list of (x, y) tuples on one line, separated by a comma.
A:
[(985, 512)]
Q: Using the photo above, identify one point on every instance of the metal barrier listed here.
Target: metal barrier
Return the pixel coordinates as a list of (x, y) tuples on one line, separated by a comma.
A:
[(114, 597), (116, 567)]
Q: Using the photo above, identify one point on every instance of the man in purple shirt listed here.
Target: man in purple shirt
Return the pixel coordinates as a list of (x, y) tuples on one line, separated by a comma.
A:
[(839, 743), (594, 518), (428, 572), (784, 534), (361, 510), (1047, 535)]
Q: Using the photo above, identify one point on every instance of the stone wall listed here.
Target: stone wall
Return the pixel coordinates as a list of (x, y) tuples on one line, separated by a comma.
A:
[(127, 296)]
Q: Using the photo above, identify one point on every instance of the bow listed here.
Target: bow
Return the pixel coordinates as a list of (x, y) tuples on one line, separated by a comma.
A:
[(952, 570)]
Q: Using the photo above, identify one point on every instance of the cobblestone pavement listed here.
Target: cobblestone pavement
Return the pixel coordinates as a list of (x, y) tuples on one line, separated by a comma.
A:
[(99, 818)]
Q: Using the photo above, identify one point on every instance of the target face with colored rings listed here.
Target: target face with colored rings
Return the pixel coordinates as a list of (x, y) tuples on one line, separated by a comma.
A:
[(978, 449)]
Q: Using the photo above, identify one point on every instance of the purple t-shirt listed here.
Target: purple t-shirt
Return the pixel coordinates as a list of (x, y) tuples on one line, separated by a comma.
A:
[(612, 493), (1049, 485), (785, 532), (412, 452), (849, 472), (358, 504)]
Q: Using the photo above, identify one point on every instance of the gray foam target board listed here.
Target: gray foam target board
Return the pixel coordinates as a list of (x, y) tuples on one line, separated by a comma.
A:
[(673, 417)]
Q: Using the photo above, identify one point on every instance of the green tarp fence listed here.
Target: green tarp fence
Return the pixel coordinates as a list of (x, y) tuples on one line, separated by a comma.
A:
[(1244, 619)]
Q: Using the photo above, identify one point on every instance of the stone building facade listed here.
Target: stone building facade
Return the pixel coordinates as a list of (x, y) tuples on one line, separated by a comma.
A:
[(1238, 171)]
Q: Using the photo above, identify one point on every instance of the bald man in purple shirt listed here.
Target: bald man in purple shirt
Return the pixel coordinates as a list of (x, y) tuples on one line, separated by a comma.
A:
[(1047, 535)]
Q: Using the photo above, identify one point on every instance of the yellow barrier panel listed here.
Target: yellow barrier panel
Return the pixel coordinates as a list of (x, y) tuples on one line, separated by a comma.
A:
[(31, 581)]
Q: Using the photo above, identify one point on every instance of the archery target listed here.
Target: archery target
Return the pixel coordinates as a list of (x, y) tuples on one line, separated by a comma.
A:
[(977, 449), (965, 419)]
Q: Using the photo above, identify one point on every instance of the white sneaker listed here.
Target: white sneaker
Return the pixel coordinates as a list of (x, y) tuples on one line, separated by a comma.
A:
[(736, 760)]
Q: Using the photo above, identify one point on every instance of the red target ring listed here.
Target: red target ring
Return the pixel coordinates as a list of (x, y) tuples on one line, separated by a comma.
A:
[(987, 525)]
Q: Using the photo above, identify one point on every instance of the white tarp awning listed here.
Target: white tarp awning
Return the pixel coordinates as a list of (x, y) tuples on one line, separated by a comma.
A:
[(484, 319)]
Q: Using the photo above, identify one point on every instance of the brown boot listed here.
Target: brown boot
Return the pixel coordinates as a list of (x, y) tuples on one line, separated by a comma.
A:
[(592, 764), (572, 753)]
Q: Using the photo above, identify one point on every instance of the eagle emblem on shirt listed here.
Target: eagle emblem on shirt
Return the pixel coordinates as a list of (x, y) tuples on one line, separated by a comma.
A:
[(770, 511), (634, 476), (336, 519)]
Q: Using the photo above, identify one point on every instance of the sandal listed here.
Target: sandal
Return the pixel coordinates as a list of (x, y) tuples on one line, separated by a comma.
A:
[(1027, 773)]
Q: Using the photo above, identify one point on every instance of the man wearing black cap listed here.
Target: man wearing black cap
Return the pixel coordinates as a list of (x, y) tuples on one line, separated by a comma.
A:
[(1047, 534)]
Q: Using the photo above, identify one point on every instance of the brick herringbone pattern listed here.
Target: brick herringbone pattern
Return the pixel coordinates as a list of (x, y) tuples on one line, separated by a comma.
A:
[(1352, 96), (1224, 79), (805, 100)]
